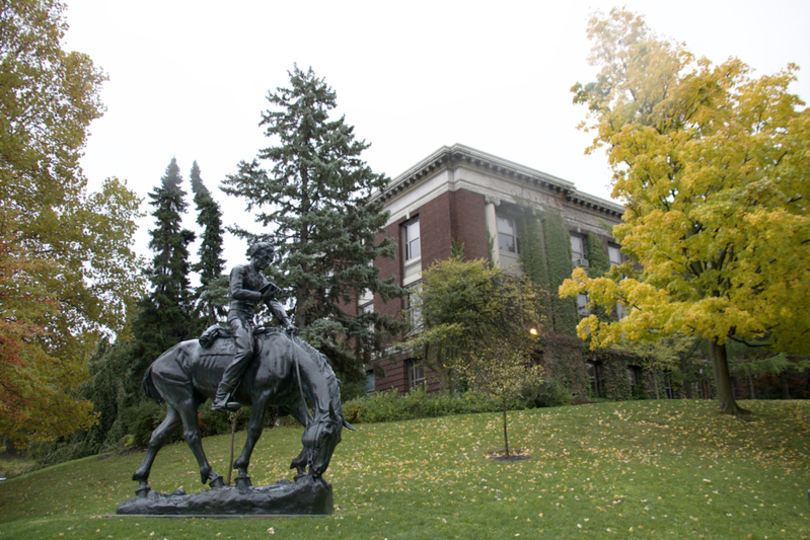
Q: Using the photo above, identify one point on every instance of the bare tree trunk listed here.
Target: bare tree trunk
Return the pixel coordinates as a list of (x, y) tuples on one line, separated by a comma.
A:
[(751, 386), (505, 438), (722, 380), (655, 385), (783, 382), (687, 383)]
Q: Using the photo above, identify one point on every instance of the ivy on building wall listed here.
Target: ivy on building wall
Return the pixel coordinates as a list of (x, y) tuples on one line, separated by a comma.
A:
[(545, 257), (558, 256), (597, 256), (532, 248), (564, 360), (599, 265)]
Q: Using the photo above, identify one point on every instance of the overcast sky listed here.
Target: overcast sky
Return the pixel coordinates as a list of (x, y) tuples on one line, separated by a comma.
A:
[(189, 79)]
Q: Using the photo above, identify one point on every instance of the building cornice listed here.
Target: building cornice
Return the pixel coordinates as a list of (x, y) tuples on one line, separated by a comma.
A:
[(451, 156)]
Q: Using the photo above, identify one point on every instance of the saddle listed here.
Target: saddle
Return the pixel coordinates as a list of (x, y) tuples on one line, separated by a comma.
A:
[(215, 332)]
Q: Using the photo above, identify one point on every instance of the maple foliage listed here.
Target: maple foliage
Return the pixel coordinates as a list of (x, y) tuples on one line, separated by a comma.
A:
[(67, 248), (38, 392), (712, 164)]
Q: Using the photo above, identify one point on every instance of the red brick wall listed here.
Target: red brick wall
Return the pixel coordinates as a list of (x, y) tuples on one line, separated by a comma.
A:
[(469, 223), (396, 377), (435, 225), (458, 215), (390, 267)]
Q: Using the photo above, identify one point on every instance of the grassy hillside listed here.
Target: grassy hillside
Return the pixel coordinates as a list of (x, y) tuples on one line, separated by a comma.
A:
[(659, 469)]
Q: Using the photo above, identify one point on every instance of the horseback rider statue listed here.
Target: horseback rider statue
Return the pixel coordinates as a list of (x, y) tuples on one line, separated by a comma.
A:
[(248, 288)]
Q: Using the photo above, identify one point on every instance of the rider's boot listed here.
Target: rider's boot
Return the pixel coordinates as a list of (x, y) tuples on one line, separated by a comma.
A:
[(222, 399)]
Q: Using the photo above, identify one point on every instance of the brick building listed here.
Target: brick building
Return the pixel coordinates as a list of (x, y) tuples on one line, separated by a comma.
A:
[(465, 195)]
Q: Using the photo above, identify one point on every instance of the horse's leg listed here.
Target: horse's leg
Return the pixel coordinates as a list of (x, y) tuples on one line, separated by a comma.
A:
[(254, 431), (156, 441), (300, 462), (187, 408)]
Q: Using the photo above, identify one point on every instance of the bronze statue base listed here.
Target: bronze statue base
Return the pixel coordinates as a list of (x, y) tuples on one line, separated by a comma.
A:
[(305, 496)]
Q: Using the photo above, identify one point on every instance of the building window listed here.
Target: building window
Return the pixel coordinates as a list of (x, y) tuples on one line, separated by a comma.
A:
[(578, 255), (582, 305), (371, 382), (363, 310), (413, 305), (614, 254), (595, 375), (416, 376), (410, 239), (507, 235)]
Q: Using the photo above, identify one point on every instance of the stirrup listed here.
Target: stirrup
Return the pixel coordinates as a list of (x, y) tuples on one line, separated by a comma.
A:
[(226, 407)]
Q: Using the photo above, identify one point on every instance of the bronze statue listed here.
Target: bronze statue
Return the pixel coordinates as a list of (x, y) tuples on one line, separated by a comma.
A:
[(285, 371), (248, 288), (252, 366)]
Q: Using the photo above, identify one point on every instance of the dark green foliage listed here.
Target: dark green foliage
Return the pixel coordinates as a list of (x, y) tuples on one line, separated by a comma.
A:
[(315, 201), (597, 256), (213, 294), (106, 391), (599, 265), (142, 420), (546, 259), (532, 246), (167, 315), (548, 393), (616, 381), (390, 406), (564, 360), (558, 253)]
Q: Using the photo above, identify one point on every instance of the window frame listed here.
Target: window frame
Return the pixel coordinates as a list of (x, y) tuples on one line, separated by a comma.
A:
[(511, 222), (415, 319), (408, 241), (416, 375), (595, 377), (371, 382), (577, 256)]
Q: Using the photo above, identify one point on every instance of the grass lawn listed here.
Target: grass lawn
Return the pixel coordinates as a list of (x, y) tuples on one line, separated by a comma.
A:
[(660, 469)]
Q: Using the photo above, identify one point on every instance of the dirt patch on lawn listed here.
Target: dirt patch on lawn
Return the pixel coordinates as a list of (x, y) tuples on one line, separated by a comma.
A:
[(519, 455)]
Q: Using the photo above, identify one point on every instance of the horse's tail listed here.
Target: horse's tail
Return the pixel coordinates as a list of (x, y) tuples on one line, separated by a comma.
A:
[(149, 387)]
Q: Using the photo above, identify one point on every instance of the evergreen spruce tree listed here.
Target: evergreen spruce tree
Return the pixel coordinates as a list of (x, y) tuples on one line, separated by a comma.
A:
[(212, 295), (167, 315), (315, 201)]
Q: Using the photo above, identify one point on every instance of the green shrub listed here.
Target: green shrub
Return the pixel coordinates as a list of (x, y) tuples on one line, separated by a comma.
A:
[(548, 393), (390, 406), (218, 423), (141, 421)]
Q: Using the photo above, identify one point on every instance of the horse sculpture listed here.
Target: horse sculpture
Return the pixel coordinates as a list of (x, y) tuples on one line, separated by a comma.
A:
[(284, 370)]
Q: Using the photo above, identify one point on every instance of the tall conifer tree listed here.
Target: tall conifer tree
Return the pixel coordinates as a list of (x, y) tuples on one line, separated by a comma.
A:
[(167, 314), (315, 201), (212, 295)]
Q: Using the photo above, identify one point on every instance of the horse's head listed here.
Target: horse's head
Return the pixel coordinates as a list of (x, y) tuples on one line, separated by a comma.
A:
[(320, 439)]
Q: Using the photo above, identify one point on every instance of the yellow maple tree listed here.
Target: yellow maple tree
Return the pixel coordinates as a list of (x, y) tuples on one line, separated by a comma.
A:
[(712, 166)]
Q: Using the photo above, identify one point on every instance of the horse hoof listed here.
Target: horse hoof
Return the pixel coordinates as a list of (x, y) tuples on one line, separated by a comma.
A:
[(217, 483), (243, 481), (143, 490)]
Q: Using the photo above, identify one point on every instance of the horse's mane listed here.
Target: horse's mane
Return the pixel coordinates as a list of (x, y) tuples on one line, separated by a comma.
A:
[(323, 367)]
